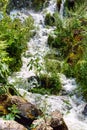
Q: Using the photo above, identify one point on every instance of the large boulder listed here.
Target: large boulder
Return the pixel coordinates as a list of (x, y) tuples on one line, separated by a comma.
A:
[(27, 111), (10, 125), (53, 122)]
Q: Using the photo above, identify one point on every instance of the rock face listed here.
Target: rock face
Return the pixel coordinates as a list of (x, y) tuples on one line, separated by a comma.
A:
[(10, 125), (53, 122)]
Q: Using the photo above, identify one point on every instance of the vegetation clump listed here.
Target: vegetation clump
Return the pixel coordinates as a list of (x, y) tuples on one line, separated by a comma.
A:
[(14, 35), (38, 4), (70, 40), (48, 84), (49, 19)]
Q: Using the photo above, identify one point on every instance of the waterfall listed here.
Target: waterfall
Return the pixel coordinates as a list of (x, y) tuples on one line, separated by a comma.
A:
[(69, 103), (61, 12)]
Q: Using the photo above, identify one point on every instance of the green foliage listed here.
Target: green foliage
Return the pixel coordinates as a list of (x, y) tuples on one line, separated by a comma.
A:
[(2, 90), (81, 72), (52, 63), (67, 37), (53, 66), (13, 112), (70, 40), (4, 70), (3, 4), (68, 70), (40, 90), (35, 64), (15, 35), (49, 84), (37, 4)]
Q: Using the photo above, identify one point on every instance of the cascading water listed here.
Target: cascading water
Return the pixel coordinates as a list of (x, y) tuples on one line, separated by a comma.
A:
[(62, 9), (69, 103)]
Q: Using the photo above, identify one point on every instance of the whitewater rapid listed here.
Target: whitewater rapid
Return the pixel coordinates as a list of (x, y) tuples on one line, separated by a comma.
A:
[(68, 103)]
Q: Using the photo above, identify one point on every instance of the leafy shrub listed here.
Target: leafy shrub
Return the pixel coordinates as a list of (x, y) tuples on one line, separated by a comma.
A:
[(13, 113), (81, 72), (13, 42), (68, 70), (81, 77), (70, 41), (52, 65), (40, 90), (49, 83), (15, 34), (38, 4)]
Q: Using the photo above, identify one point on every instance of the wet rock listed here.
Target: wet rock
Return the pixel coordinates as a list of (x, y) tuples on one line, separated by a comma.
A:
[(57, 122), (85, 110), (28, 111), (44, 33), (33, 81), (63, 92), (71, 4), (10, 125), (53, 122), (59, 4)]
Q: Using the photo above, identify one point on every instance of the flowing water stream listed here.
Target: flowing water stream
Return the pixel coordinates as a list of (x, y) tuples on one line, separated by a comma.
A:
[(68, 103)]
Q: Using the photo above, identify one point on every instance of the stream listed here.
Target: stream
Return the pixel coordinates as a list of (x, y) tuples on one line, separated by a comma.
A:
[(69, 103)]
